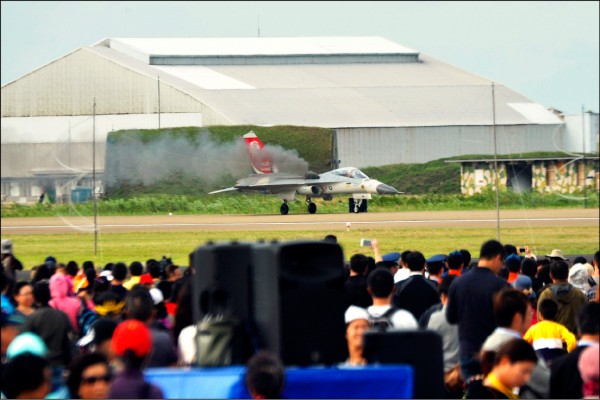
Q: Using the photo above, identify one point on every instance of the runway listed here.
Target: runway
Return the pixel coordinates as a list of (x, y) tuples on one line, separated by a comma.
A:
[(325, 222)]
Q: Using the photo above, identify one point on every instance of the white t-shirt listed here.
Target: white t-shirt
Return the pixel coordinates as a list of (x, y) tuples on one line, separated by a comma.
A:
[(401, 274), (401, 319)]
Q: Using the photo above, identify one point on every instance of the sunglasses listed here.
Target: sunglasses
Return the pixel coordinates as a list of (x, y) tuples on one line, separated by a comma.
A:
[(90, 380)]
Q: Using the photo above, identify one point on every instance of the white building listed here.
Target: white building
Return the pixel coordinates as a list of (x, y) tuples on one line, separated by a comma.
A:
[(387, 103)]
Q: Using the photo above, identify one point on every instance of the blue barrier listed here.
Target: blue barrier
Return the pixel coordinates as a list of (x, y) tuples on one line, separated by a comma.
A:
[(375, 382)]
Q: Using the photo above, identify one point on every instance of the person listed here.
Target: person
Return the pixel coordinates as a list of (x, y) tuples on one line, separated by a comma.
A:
[(166, 285), (524, 284), (380, 285), (403, 272), (265, 376), (591, 293), (52, 325), (27, 376), (570, 299), (140, 306), (455, 263), (415, 294), (513, 264), (470, 305), (548, 337), (356, 284), (10, 263), (512, 367), (9, 329), (89, 377), (99, 338), (435, 269), (565, 378), (435, 319), (357, 323), (513, 314), (529, 268), (23, 295), (579, 277), (59, 291), (132, 343), (135, 271), (588, 366), (466, 254), (119, 274)]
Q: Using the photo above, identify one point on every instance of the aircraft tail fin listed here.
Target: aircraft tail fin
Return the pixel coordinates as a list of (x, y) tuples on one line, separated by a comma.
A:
[(262, 162)]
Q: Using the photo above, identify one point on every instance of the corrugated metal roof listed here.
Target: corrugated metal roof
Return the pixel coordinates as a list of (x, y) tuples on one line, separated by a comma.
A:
[(491, 160), (426, 93), (250, 46)]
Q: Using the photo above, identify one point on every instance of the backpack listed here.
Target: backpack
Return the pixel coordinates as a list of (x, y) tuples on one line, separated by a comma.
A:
[(383, 322), (222, 340), (85, 319)]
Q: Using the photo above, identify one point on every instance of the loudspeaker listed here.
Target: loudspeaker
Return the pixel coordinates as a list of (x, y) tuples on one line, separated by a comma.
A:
[(299, 301), (422, 349), (222, 280)]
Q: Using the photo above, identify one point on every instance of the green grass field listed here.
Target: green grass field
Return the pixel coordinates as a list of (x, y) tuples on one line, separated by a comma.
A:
[(127, 247)]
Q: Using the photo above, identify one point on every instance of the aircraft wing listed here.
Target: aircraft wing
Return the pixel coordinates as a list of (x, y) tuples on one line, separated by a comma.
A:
[(230, 189)]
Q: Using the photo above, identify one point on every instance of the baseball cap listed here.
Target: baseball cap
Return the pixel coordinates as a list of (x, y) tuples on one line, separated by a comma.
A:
[(101, 330), (6, 246), (26, 342), (354, 312), (394, 257), (438, 258), (132, 335), (157, 296)]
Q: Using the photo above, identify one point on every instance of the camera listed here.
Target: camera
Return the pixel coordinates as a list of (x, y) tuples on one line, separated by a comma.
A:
[(522, 250), (366, 242)]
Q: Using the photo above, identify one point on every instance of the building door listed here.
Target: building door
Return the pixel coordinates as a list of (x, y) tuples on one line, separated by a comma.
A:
[(519, 176)]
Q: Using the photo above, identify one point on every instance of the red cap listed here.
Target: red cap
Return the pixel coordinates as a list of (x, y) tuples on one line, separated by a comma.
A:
[(146, 279), (134, 335)]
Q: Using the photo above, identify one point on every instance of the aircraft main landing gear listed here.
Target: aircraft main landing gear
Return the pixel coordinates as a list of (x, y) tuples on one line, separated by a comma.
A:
[(357, 204), (284, 209), (312, 207)]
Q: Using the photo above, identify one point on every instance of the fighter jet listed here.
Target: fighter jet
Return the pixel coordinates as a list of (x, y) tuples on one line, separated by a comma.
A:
[(267, 180)]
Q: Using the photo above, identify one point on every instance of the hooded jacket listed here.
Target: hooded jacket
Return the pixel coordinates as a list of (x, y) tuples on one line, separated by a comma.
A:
[(59, 289), (570, 301)]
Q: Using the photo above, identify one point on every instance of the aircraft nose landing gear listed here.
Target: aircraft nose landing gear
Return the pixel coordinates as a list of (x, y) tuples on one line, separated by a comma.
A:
[(284, 209), (312, 207)]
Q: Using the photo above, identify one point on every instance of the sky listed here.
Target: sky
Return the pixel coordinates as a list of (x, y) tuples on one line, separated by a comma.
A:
[(547, 51)]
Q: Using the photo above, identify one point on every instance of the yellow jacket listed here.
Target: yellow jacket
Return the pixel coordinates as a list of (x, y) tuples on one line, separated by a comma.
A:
[(550, 335)]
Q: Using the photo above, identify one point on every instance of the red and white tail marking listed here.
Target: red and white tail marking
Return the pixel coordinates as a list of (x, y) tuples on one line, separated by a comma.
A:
[(261, 161)]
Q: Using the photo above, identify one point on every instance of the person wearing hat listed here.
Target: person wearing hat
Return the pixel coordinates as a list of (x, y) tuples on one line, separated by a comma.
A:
[(10, 263), (435, 269), (357, 323), (132, 344), (569, 298), (99, 337), (595, 278), (556, 254)]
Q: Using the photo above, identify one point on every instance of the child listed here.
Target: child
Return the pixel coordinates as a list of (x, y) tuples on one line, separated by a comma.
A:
[(547, 336)]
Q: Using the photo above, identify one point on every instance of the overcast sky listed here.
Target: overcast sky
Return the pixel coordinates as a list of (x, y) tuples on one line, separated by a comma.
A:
[(547, 51)]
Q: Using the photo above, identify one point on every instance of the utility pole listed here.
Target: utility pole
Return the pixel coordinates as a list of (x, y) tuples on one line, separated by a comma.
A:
[(496, 161), (94, 178)]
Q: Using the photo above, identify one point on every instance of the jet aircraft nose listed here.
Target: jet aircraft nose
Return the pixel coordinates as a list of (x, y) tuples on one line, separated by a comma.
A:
[(382, 188)]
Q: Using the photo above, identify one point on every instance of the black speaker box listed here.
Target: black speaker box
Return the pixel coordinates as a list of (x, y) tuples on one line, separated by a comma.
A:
[(299, 301), (422, 349), (222, 280)]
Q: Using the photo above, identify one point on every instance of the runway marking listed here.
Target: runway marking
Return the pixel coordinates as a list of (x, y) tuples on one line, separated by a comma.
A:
[(425, 221)]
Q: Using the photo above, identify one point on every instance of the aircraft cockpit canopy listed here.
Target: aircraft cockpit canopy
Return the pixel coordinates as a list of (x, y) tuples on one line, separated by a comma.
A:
[(350, 172)]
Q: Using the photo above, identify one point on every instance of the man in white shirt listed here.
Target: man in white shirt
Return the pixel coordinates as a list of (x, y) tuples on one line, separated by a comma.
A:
[(381, 287)]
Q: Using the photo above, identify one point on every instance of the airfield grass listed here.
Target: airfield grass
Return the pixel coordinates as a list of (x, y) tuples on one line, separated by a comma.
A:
[(128, 247)]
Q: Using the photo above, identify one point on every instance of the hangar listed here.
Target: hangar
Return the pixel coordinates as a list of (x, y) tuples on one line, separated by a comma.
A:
[(386, 103)]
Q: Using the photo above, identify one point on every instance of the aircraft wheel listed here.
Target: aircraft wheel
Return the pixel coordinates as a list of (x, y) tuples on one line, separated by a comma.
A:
[(284, 209), (312, 208)]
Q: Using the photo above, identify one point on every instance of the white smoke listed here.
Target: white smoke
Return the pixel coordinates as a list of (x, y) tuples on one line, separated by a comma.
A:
[(137, 162)]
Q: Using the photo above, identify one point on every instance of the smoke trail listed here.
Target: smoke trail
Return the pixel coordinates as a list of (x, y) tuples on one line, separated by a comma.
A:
[(134, 161)]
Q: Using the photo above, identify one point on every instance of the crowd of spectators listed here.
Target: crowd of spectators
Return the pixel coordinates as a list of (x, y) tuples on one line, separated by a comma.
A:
[(512, 324)]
